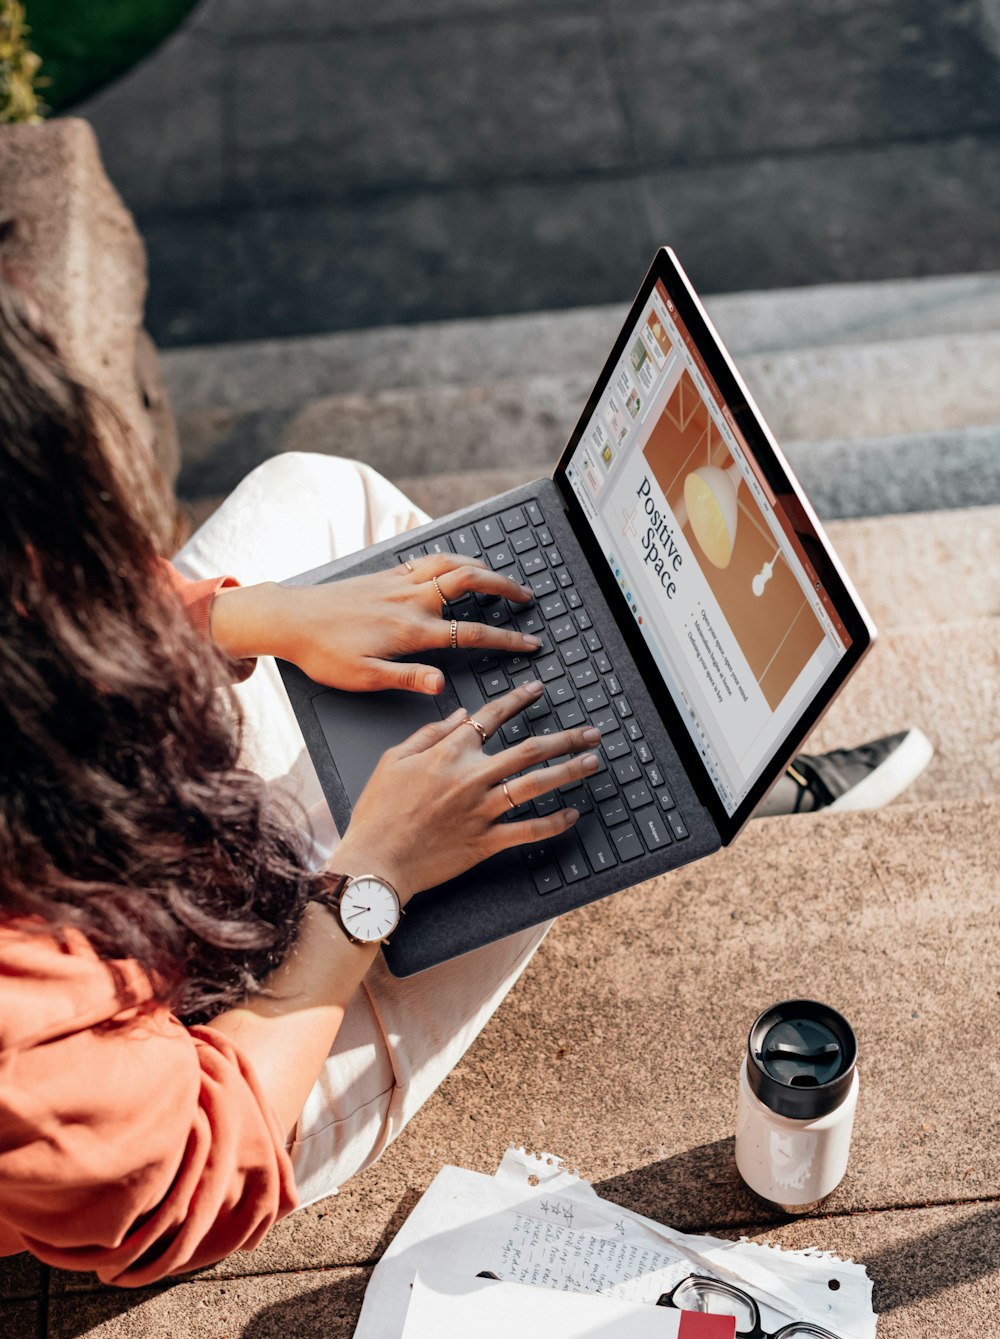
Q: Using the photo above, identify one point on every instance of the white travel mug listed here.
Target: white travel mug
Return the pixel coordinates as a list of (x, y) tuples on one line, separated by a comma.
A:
[(798, 1093)]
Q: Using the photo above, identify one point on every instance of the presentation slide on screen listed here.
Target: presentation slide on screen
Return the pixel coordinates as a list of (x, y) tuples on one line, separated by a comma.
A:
[(713, 581)]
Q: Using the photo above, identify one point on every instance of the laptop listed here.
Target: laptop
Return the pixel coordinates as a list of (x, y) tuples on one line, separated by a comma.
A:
[(689, 605)]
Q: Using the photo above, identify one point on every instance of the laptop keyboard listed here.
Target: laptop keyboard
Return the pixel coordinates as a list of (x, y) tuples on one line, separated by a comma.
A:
[(626, 808)]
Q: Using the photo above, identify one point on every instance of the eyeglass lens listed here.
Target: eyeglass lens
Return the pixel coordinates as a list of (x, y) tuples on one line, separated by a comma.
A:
[(716, 1299)]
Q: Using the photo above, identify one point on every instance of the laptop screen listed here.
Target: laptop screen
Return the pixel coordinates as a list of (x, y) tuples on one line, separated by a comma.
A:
[(708, 561)]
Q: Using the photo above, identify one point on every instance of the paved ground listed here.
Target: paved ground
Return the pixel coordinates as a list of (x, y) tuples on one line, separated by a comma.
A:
[(299, 167)]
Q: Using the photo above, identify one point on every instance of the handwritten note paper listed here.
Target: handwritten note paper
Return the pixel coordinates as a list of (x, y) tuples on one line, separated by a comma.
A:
[(535, 1223)]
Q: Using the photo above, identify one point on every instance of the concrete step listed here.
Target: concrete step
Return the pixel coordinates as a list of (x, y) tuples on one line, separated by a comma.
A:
[(287, 373), (943, 679), (843, 394)]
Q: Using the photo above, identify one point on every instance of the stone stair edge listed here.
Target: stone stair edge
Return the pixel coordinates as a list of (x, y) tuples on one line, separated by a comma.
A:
[(291, 371)]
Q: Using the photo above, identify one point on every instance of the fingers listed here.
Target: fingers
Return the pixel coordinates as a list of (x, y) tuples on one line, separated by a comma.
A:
[(538, 750), (462, 580), (544, 779), (473, 636), (437, 564), (505, 835), (428, 735), (403, 674), (493, 714)]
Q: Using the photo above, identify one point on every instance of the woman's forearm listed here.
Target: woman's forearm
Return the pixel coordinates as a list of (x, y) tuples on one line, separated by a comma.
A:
[(288, 1033)]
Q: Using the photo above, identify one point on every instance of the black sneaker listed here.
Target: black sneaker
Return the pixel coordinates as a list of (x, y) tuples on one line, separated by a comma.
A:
[(867, 777)]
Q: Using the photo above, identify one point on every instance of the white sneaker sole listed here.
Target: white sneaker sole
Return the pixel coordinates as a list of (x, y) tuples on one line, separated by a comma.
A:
[(890, 778)]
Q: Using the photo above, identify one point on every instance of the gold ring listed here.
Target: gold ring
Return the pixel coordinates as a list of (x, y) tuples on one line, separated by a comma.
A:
[(479, 728), (408, 565), (444, 602), (507, 793), (454, 634)]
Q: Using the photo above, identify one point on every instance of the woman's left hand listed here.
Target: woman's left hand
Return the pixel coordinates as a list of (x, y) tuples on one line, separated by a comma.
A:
[(348, 633)]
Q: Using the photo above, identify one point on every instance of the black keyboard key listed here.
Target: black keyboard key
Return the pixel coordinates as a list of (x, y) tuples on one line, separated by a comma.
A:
[(561, 691), (545, 647), (654, 776), (593, 696), (549, 668), (538, 855), (583, 620), (627, 844), (545, 537), (637, 796), (666, 800), (572, 652), (522, 676), (633, 729), (537, 709), (603, 787), (677, 825), (581, 801), (541, 584), (534, 513), (532, 563), (572, 865), (552, 606), (466, 611), (523, 543), (564, 577), (518, 812), (464, 541), (614, 812), (555, 557), (614, 687), (625, 770), (549, 726), (529, 621), (603, 663), (623, 707), (604, 720), (495, 682), (573, 598), (615, 746), (513, 520), (516, 730), (519, 665), (489, 533), (570, 714), (483, 662), (643, 752), (596, 843), (562, 629), (411, 555), (439, 545), (496, 615), (652, 829), (499, 557), (583, 674), (546, 879), (547, 804), (592, 639)]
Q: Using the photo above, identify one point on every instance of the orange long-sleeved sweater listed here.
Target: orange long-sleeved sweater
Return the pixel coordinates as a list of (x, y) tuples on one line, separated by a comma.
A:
[(129, 1144)]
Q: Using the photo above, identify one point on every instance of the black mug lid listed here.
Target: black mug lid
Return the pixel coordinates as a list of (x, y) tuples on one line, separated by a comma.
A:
[(800, 1058)]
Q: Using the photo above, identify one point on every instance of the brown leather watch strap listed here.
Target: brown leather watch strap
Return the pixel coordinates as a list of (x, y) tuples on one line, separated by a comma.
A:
[(329, 892)]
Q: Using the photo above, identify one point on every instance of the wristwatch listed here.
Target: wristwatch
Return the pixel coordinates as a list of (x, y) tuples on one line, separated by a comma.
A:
[(367, 907)]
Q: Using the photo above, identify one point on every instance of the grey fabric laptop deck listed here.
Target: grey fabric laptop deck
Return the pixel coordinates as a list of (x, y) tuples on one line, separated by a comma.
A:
[(689, 605)]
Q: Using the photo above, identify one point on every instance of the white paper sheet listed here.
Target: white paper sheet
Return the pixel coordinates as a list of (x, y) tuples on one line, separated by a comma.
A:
[(536, 1222), (447, 1304)]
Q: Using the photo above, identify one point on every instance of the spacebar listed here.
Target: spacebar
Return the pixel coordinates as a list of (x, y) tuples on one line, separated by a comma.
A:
[(468, 692)]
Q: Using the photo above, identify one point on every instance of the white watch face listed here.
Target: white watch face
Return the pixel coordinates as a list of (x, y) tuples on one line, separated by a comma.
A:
[(369, 909)]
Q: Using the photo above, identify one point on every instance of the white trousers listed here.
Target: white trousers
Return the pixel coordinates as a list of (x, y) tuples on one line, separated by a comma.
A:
[(399, 1038)]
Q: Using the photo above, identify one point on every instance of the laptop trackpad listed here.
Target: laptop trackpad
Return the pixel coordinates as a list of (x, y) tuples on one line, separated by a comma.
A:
[(359, 727)]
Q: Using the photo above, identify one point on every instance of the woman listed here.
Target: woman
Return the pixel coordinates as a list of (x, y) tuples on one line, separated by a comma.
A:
[(190, 1045)]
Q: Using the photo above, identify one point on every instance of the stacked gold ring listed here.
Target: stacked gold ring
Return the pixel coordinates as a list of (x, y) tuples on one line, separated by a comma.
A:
[(437, 587), (479, 728), (454, 634)]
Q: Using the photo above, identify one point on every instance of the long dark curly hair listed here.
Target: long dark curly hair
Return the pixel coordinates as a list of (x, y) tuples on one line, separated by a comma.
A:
[(123, 811)]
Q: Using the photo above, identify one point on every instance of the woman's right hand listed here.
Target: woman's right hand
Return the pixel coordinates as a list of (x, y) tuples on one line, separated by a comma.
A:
[(435, 804)]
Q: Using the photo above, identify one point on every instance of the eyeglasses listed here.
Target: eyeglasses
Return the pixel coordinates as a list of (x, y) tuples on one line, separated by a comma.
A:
[(715, 1298)]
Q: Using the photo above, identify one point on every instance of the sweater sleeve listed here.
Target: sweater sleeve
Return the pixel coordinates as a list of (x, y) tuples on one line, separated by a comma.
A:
[(197, 598), (131, 1145)]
